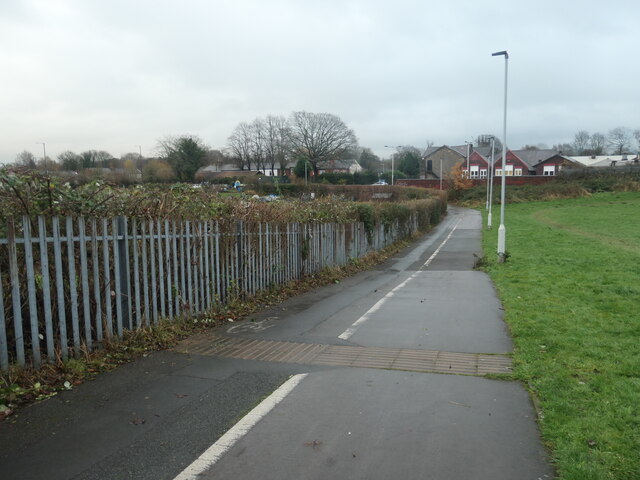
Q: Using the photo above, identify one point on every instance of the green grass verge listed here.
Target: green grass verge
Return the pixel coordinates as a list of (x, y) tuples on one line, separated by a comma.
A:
[(571, 290)]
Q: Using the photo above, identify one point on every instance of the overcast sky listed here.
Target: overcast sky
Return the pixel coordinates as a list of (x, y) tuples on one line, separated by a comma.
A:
[(112, 75)]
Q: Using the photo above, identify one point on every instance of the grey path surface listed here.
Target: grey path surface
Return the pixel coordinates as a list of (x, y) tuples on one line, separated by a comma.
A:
[(376, 424), (153, 418)]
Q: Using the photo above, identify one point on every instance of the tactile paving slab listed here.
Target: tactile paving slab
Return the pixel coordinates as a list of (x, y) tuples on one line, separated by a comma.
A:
[(434, 361)]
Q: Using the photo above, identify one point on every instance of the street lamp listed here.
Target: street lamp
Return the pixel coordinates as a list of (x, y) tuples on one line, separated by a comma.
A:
[(392, 146), (44, 151), (502, 231)]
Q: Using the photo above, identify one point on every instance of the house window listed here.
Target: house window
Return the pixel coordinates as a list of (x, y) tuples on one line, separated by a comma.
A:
[(498, 172), (518, 172), (509, 170), (549, 170), (483, 173), (474, 171)]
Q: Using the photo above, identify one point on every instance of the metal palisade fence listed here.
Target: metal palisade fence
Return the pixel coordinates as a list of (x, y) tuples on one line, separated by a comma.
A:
[(68, 283)]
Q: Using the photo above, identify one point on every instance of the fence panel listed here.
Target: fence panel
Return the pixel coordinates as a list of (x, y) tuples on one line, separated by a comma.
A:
[(63, 281)]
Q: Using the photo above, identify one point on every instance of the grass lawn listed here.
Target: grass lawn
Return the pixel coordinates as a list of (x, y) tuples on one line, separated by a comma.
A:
[(571, 292)]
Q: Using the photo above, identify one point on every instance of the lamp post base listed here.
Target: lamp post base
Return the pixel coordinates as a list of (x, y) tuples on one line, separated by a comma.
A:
[(502, 234)]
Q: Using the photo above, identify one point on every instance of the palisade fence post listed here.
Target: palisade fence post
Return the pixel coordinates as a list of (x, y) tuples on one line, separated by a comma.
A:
[(46, 287), (200, 285), (106, 270), (4, 346), (239, 252), (128, 272), (31, 291), (218, 274), (260, 259), (300, 251), (95, 264), (188, 293), (154, 284), (146, 318), (136, 272), (84, 283), (161, 279), (167, 254), (73, 286), (15, 291), (123, 263), (177, 296), (62, 320), (207, 265), (184, 297)]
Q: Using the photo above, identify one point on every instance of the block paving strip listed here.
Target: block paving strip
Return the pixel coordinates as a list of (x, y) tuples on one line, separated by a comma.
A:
[(430, 361)]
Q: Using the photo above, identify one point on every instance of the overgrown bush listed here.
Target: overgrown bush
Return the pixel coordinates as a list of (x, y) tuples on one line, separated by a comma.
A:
[(35, 194)]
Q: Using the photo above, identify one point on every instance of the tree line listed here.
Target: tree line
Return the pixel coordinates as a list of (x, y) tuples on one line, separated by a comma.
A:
[(617, 141), (271, 144)]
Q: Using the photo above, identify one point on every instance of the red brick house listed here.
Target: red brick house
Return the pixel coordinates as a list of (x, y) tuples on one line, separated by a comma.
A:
[(552, 165), (478, 165), (515, 165)]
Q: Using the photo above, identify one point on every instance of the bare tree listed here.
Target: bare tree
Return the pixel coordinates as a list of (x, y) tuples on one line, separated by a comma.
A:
[(240, 144), (597, 144), (564, 148), (581, 142), (276, 145), (70, 160), (619, 139), (26, 159), (319, 137), (258, 147)]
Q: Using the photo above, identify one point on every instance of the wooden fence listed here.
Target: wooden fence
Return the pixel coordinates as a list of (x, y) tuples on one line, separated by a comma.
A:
[(68, 283)]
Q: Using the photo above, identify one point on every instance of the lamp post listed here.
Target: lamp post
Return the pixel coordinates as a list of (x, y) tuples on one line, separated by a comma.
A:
[(392, 146), (44, 151), (502, 231), (468, 155)]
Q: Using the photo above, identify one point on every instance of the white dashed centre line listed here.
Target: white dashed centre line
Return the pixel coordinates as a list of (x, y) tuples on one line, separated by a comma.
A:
[(239, 430), (348, 333)]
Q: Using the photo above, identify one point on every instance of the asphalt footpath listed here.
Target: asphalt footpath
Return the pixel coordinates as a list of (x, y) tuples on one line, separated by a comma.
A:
[(379, 376)]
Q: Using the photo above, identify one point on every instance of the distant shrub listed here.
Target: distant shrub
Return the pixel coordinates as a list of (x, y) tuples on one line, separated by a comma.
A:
[(34, 195)]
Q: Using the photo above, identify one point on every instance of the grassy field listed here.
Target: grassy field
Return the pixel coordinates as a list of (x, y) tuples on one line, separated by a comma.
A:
[(571, 292)]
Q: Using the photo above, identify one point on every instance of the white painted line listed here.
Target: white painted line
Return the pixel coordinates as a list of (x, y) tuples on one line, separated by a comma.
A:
[(239, 430), (348, 333), (430, 259)]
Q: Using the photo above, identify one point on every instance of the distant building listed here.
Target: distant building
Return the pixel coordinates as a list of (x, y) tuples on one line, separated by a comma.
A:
[(600, 161), (339, 166), (440, 161)]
